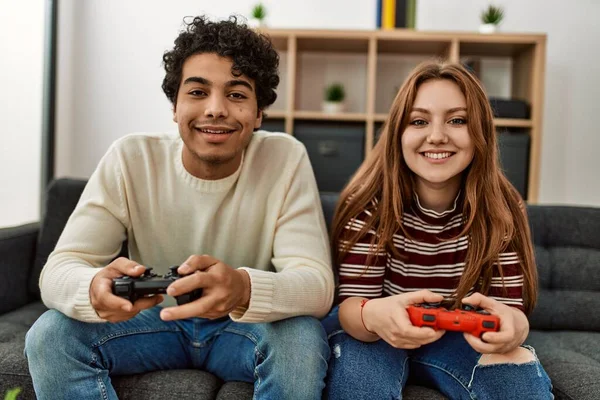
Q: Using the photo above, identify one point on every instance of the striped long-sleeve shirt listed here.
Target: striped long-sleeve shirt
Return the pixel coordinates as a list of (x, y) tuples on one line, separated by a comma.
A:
[(429, 260)]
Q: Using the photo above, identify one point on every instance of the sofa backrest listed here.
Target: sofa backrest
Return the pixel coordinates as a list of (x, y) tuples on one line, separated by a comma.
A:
[(62, 196), (567, 250), (566, 239)]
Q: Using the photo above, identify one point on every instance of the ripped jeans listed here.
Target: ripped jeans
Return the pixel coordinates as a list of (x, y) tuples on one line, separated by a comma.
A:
[(359, 370)]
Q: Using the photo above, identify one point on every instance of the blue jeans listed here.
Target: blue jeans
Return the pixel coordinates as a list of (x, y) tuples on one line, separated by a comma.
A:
[(70, 359), (359, 370)]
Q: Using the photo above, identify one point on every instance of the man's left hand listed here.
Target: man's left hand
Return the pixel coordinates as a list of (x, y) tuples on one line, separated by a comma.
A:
[(223, 289), (514, 326)]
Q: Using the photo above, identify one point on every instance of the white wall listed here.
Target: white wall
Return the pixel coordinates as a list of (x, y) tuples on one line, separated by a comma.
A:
[(569, 165), (110, 63), (110, 72), (21, 74)]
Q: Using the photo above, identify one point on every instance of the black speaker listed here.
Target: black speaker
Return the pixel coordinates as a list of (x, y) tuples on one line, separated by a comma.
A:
[(335, 149), (509, 108)]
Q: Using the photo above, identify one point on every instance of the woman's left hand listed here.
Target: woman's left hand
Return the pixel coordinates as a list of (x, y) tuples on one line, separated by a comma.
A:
[(514, 326)]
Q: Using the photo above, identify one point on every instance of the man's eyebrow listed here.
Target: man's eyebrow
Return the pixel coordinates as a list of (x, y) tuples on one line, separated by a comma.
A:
[(239, 82), (231, 83), (197, 79)]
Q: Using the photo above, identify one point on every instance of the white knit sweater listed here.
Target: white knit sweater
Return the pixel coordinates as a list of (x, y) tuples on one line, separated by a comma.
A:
[(266, 218)]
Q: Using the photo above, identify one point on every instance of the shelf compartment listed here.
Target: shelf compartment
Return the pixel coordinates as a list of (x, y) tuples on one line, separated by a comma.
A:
[(316, 115), (340, 44), (318, 70), (495, 47), (424, 46)]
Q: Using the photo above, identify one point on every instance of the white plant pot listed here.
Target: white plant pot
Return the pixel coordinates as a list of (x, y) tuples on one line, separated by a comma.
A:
[(331, 107), (256, 23), (488, 28)]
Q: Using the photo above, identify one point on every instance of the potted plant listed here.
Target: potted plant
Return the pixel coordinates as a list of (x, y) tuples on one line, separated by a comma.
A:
[(258, 15), (334, 98), (490, 19)]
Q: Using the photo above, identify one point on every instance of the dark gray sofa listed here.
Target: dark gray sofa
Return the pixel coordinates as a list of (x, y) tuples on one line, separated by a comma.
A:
[(565, 325)]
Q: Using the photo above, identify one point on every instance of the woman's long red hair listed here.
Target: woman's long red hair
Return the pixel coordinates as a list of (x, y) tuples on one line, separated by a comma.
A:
[(495, 218)]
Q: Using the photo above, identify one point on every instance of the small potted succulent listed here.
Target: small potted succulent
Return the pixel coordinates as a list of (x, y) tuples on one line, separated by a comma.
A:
[(258, 15), (334, 98), (490, 19)]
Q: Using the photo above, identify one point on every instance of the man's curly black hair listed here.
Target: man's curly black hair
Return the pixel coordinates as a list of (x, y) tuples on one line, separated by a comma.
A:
[(252, 53)]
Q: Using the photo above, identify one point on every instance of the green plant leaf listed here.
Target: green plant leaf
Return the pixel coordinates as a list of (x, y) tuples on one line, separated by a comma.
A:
[(335, 92), (12, 394), (492, 15), (259, 11)]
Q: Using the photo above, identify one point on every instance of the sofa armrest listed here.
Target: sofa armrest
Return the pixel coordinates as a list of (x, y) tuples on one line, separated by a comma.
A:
[(17, 252)]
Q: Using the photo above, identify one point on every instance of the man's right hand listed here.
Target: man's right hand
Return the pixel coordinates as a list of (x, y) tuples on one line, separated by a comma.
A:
[(114, 308)]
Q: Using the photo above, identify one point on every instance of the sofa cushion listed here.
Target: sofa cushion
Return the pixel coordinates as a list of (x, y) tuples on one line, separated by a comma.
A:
[(184, 384), (571, 359), (328, 202), (179, 384), (17, 246), (61, 198), (567, 250), (235, 390), (14, 371)]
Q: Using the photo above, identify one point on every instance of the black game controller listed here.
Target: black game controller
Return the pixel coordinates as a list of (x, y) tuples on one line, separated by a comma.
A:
[(149, 283)]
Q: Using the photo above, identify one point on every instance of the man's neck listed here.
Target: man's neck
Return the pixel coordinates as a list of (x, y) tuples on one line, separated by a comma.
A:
[(210, 171)]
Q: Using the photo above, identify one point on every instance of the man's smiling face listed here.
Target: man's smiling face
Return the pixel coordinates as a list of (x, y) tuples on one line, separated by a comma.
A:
[(216, 113)]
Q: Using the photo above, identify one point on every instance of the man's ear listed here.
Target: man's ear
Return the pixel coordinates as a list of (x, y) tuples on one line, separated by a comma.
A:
[(259, 117), (174, 109)]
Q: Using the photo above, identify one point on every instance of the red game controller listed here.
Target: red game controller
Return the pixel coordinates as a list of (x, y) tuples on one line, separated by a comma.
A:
[(469, 319)]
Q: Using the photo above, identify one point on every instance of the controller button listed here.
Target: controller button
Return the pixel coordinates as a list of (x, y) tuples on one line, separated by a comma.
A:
[(489, 324), (428, 318)]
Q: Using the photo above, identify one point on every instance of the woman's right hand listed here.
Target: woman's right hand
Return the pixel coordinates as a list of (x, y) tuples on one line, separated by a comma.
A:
[(387, 317)]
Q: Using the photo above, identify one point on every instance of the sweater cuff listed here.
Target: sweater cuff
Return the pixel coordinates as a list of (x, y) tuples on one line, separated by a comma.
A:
[(262, 288), (83, 306)]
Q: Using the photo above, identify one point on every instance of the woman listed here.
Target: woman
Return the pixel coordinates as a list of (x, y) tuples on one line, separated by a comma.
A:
[(430, 217)]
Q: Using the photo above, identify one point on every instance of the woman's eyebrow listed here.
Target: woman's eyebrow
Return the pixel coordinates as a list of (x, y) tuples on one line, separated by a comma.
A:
[(449, 111)]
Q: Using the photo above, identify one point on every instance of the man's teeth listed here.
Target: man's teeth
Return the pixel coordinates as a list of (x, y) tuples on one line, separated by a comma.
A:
[(213, 131), (437, 156)]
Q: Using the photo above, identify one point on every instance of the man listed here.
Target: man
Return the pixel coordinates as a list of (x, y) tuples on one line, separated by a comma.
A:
[(238, 210)]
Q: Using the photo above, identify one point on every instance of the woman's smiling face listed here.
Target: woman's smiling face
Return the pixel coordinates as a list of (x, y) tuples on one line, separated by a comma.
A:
[(436, 143)]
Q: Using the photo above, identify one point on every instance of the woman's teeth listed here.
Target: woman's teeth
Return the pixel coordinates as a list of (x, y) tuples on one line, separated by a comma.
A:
[(437, 156)]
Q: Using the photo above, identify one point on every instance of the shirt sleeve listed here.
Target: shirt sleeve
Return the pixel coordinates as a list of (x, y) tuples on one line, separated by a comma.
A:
[(303, 283), (92, 237), (507, 280), (356, 279)]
